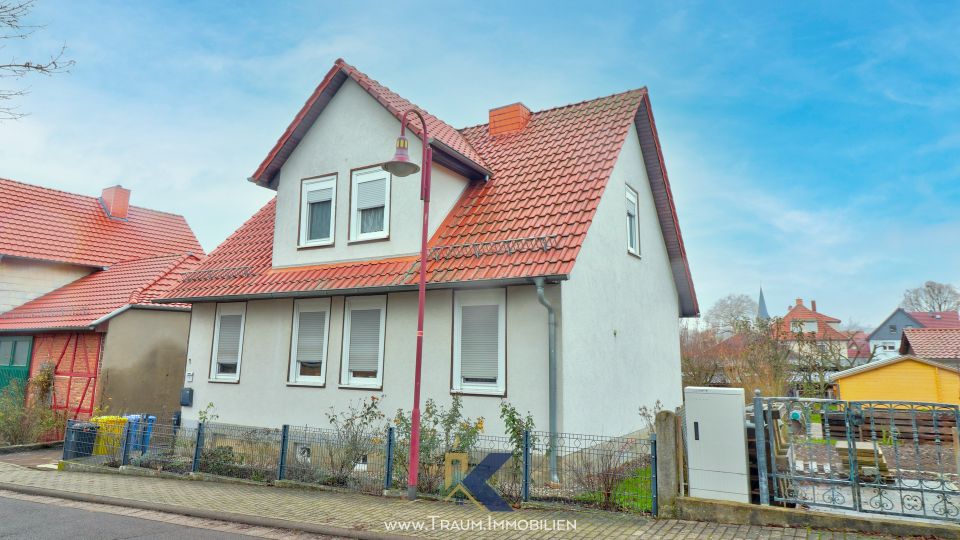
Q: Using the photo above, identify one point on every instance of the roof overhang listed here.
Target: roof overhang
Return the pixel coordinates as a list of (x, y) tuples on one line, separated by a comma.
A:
[(319, 293), (267, 173), (886, 362), (666, 209)]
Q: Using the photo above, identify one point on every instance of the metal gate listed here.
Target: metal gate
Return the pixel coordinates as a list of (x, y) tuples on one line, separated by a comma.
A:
[(881, 457)]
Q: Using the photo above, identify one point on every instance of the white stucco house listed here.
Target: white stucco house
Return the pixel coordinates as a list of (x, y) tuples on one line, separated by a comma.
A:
[(312, 303)]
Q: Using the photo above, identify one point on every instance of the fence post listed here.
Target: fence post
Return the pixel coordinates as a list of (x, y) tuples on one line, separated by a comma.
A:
[(526, 465), (388, 474), (284, 441), (668, 463), (198, 450), (759, 430), (654, 506), (125, 445)]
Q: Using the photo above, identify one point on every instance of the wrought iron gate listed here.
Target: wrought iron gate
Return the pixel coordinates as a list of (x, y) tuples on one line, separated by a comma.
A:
[(882, 457)]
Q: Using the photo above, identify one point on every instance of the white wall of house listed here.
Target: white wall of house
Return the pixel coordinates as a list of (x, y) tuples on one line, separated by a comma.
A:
[(355, 131), (263, 397), (22, 280), (621, 349), (884, 348)]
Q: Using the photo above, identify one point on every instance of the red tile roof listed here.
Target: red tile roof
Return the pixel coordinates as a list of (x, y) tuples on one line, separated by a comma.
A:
[(936, 319), (825, 332), (86, 301), (52, 225), (859, 345), (529, 219), (931, 343)]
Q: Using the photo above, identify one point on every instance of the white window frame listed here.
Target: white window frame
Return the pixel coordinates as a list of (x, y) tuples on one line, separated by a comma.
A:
[(310, 305), (361, 302), (634, 198), (234, 308), (484, 297), (357, 178), (306, 187)]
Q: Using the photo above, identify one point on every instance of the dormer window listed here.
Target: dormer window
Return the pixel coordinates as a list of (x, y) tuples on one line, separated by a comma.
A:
[(317, 203), (370, 204)]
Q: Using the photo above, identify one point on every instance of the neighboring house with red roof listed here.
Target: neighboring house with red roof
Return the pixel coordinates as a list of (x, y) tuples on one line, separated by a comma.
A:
[(312, 303), (77, 275), (937, 344), (885, 339)]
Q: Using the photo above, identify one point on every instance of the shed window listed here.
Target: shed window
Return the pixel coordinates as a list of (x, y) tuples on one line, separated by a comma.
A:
[(633, 227), (228, 341), (15, 351), (363, 332), (370, 204), (317, 206), (479, 342), (308, 349)]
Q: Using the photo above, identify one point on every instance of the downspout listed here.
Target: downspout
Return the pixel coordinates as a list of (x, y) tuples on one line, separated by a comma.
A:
[(552, 374)]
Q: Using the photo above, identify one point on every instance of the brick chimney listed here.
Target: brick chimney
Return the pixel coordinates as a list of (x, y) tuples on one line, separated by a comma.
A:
[(509, 119), (115, 201), (799, 301), (813, 305)]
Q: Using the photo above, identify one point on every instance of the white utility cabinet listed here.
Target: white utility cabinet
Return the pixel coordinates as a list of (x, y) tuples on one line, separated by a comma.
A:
[(716, 443)]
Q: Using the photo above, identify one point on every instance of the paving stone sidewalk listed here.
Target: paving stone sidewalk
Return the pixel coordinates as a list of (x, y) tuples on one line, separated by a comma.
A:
[(369, 513)]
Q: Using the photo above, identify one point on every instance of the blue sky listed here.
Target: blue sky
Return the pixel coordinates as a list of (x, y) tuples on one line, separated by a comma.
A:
[(814, 148)]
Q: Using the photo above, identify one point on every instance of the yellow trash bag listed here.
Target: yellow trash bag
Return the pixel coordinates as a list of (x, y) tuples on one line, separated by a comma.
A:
[(109, 434)]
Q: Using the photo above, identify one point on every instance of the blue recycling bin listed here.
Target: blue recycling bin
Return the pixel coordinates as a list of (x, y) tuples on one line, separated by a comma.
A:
[(141, 428)]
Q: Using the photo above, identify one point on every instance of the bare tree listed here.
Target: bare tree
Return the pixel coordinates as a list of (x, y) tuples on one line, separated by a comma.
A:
[(932, 296), (13, 27), (730, 311), (700, 355)]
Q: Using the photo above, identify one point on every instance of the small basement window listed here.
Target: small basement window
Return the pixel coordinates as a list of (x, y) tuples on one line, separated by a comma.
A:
[(317, 208), (370, 204), (633, 227)]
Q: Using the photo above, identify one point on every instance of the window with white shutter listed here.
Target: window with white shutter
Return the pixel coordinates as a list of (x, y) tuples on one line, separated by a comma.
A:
[(308, 348), (317, 211), (633, 227), (363, 331), (370, 204), (479, 341), (228, 341)]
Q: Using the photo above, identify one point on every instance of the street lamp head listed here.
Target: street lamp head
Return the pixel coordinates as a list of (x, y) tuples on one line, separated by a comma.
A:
[(401, 165)]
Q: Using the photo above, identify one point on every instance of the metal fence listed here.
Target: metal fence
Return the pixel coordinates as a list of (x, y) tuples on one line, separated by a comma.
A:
[(603, 472), (881, 457)]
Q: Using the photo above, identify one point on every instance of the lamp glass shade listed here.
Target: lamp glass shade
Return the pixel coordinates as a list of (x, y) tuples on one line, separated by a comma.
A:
[(401, 165)]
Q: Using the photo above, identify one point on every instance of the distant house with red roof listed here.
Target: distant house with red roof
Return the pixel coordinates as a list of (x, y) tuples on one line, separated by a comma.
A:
[(886, 338), (312, 303), (77, 276), (937, 344), (804, 325)]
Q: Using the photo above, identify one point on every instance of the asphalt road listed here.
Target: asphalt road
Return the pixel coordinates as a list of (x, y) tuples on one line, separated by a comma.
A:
[(26, 519)]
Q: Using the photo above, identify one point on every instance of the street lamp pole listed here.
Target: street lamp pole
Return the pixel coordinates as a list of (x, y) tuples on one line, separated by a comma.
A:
[(401, 166)]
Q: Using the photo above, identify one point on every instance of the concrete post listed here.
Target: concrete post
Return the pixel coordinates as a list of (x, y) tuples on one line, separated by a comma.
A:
[(668, 484)]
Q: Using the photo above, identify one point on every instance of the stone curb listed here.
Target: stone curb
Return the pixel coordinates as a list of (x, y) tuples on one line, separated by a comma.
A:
[(29, 447), (694, 509), (246, 519)]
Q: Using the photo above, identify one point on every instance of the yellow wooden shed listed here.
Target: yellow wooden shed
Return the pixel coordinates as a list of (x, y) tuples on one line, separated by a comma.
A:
[(904, 378)]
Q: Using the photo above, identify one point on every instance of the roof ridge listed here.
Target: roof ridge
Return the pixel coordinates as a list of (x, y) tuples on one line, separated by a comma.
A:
[(92, 197), (574, 104), (176, 263), (179, 254)]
